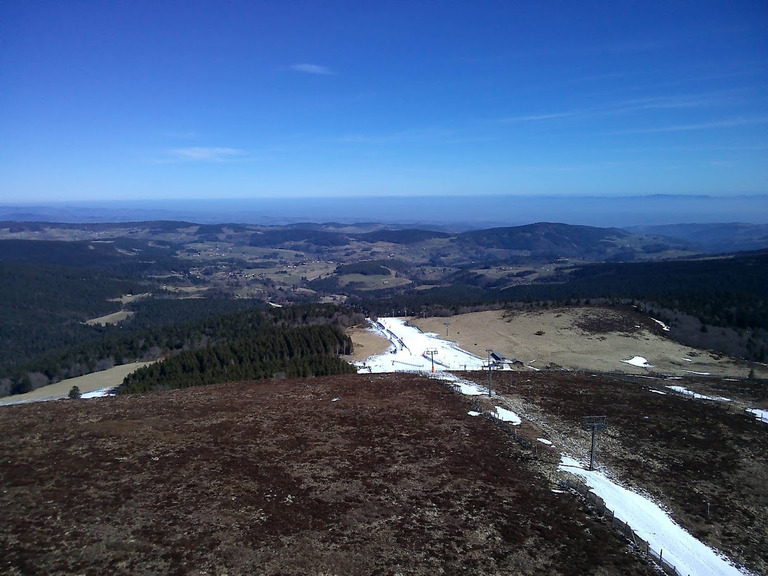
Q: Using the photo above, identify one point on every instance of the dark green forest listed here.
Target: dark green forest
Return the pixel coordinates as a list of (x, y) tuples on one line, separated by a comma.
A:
[(163, 327), (48, 289), (293, 352), (45, 307)]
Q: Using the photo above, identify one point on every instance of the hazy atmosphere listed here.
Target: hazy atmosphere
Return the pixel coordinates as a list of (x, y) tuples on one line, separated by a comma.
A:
[(243, 100)]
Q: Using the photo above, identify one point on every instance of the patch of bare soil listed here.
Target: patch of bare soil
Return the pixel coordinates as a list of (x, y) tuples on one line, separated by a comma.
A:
[(706, 462), (375, 474)]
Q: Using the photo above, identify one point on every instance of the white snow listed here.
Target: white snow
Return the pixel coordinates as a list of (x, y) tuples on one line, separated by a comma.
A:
[(761, 415), (696, 395), (96, 393), (638, 361), (687, 554), (413, 351), (508, 416), (696, 373), (470, 389), (658, 392), (410, 352), (660, 323)]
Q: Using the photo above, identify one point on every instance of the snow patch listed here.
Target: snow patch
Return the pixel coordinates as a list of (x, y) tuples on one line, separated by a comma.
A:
[(687, 554), (100, 393), (473, 413), (508, 416), (696, 395), (660, 323), (761, 415), (544, 441), (638, 361)]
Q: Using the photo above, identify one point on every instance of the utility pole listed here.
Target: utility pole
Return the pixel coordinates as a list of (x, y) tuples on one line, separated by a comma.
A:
[(489, 371), (432, 353), (446, 324), (596, 424)]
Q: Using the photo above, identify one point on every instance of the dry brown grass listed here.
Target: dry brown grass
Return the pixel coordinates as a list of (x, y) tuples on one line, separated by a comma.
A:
[(595, 339), (88, 383), (277, 478)]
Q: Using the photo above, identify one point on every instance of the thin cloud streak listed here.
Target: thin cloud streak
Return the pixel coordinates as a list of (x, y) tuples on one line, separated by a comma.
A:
[(626, 106), (205, 154), (312, 69), (538, 117), (730, 123)]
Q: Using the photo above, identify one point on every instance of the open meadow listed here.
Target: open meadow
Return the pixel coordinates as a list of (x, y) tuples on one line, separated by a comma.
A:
[(587, 338)]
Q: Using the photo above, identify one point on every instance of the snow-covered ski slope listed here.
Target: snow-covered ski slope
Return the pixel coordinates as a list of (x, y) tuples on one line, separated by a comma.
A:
[(410, 351), (687, 554)]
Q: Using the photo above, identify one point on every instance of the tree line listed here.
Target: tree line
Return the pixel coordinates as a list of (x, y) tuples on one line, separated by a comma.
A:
[(149, 341), (292, 352)]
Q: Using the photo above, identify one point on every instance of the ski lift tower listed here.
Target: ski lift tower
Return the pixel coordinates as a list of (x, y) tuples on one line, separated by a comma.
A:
[(432, 352), (596, 424)]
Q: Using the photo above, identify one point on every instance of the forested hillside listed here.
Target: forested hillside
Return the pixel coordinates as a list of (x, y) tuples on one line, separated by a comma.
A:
[(294, 352), (45, 307), (55, 277), (168, 337)]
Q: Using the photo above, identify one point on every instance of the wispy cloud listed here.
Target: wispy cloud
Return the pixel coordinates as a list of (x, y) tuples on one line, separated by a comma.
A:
[(539, 117), (205, 154), (712, 125), (629, 106), (311, 69)]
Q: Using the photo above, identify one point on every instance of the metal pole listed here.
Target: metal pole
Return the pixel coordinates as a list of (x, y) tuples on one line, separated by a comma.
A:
[(489, 371), (592, 452)]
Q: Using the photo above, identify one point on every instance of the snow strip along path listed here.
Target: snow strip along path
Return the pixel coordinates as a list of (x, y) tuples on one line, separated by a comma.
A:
[(687, 554), (409, 354)]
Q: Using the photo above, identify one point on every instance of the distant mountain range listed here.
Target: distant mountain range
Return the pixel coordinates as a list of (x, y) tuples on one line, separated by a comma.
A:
[(545, 240), (449, 213), (713, 238)]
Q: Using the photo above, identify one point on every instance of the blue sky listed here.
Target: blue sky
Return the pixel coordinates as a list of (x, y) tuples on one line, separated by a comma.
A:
[(223, 99)]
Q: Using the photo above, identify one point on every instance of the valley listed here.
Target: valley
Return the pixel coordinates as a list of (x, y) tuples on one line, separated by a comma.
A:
[(242, 442)]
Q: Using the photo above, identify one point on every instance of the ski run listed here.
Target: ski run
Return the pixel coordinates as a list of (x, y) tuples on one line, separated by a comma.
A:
[(412, 350)]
